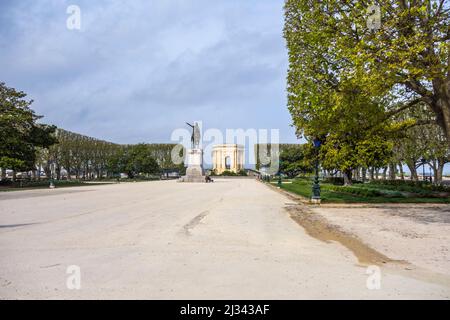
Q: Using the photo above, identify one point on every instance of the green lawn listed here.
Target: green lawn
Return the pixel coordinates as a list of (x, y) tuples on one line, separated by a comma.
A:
[(365, 193)]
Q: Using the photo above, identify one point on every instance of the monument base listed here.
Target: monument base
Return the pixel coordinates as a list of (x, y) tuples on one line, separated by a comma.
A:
[(194, 171), (192, 179)]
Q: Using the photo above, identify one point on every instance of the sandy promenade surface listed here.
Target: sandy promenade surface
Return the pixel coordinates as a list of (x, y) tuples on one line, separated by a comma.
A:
[(417, 233), (232, 239)]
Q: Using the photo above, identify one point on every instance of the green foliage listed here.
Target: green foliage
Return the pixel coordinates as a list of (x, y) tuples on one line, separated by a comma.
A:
[(365, 192), (347, 83), (20, 135), (395, 190), (338, 181), (324, 99), (6, 162), (25, 145), (335, 57), (409, 185), (228, 173), (296, 159), (242, 173), (141, 161), (265, 153), (368, 193), (83, 156), (78, 154), (426, 141), (347, 153), (134, 160), (162, 152)]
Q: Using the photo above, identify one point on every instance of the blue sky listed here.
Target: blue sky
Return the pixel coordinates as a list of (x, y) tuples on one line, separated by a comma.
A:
[(137, 70)]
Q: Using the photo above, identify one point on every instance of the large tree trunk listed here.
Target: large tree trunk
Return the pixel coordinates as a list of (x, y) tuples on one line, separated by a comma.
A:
[(438, 179), (347, 177), (363, 174), (392, 171), (441, 105), (413, 170), (3, 174), (400, 168), (438, 168), (47, 171), (371, 174), (356, 174), (383, 177), (58, 173)]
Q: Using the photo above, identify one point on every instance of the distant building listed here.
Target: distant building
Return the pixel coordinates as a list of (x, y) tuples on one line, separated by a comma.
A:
[(228, 157)]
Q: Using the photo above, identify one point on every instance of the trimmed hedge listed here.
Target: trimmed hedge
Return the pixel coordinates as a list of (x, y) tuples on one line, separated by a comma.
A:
[(356, 191), (366, 192), (410, 185), (338, 181)]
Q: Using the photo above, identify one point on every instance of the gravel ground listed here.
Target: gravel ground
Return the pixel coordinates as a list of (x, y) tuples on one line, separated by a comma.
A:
[(233, 238), (417, 233)]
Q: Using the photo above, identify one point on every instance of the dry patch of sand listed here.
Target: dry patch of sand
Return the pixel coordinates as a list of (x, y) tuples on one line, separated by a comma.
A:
[(318, 227), (417, 234)]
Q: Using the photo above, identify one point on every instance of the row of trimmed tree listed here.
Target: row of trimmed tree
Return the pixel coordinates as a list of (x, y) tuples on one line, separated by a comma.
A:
[(34, 148), (82, 157)]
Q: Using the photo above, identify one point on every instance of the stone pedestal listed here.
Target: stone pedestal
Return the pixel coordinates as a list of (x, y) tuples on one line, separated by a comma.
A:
[(194, 171)]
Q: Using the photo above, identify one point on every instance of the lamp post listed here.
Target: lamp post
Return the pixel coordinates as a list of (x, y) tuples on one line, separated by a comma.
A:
[(279, 174), (316, 186), (52, 168)]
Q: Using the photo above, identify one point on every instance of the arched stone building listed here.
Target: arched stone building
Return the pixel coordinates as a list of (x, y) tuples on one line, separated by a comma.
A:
[(228, 157)]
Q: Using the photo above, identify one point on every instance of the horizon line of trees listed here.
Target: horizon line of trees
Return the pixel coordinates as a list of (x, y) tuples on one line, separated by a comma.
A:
[(412, 151), (32, 147), (82, 157)]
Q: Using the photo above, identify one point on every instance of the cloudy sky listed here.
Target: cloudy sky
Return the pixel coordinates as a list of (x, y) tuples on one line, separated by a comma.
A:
[(137, 70)]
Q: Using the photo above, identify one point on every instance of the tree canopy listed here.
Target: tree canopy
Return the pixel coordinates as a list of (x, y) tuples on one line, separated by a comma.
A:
[(296, 159), (348, 82), (333, 49), (20, 134), (134, 160)]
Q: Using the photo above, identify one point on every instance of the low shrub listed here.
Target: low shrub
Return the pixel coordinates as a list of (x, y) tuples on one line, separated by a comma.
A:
[(410, 185), (356, 191), (242, 173), (228, 173), (338, 181), (366, 192)]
